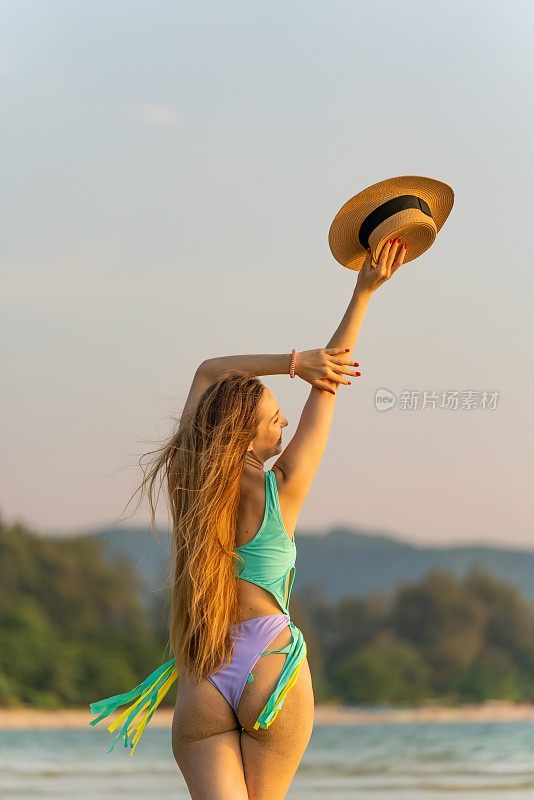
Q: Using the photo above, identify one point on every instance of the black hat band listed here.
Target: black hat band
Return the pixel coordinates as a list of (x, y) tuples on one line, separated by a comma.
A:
[(386, 210)]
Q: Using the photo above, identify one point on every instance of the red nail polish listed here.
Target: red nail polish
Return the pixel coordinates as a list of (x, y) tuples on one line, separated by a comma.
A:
[(358, 373), (350, 383), (355, 364), (346, 349)]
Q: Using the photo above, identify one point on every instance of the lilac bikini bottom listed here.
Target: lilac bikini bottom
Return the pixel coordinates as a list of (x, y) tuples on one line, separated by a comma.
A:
[(250, 637)]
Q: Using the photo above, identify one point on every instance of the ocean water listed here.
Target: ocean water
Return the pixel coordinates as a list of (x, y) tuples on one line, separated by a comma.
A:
[(380, 761)]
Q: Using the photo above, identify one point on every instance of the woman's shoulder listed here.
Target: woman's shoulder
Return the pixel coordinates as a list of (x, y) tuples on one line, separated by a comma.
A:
[(278, 476), (255, 483)]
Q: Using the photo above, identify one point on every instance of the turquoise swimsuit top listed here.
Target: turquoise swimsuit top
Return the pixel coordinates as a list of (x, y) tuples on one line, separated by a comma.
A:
[(271, 554)]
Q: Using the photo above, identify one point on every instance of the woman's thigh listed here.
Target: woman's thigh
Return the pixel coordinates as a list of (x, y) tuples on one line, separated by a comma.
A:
[(271, 756), (206, 743)]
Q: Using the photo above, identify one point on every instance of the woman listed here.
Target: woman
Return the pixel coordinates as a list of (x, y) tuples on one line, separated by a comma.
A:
[(232, 519)]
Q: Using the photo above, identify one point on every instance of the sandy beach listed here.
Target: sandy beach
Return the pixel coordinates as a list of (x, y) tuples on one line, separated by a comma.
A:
[(495, 711)]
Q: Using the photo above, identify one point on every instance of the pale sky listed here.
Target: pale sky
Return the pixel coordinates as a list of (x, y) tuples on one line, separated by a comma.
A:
[(169, 175)]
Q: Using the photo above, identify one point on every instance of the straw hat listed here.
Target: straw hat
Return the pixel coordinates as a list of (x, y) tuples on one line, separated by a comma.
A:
[(410, 207)]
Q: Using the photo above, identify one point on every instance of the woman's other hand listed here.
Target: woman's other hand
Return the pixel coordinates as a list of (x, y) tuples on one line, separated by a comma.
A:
[(325, 368), (391, 257)]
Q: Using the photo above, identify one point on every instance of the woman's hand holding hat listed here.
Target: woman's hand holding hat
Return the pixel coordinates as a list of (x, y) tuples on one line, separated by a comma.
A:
[(372, 274)]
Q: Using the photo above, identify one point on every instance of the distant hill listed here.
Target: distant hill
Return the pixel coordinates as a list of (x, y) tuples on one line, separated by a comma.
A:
[(343, 562)]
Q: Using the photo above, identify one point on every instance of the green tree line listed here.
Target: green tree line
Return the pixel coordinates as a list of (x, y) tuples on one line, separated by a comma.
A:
[(73, 629), (441, 639)]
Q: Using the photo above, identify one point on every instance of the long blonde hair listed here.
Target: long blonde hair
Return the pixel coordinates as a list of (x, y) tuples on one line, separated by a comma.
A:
[(202, 466)]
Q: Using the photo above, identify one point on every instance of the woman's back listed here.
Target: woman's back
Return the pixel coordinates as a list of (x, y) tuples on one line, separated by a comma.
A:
[(262, 493)]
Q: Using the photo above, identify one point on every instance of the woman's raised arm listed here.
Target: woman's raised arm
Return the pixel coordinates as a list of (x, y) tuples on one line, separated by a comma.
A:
[(258, 363), (302, 456), (370, 277)]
